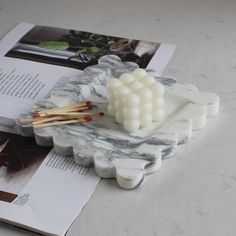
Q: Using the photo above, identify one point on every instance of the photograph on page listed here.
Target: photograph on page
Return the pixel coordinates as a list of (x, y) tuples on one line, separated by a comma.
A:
[(20, 157), (78, 49)]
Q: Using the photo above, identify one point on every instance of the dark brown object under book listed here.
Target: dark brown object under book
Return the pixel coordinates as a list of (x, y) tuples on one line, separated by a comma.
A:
[(7, 197), (17, 152)]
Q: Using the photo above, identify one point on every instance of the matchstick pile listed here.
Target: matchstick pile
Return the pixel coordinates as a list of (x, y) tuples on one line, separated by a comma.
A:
[(76, 113)]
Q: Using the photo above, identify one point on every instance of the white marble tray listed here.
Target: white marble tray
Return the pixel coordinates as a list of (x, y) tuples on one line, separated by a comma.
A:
[(104, 143)]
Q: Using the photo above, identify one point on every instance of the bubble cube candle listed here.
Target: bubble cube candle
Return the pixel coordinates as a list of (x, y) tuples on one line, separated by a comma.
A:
[(135, 99)]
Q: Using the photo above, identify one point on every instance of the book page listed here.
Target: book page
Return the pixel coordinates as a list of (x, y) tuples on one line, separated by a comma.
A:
[(29, 173), (22, 83)]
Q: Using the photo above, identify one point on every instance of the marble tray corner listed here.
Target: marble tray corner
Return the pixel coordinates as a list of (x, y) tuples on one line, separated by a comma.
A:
[(103, 143)]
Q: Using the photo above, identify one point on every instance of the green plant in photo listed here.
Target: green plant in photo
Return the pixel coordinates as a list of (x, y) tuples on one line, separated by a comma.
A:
[(95, 49), (89, 50), (54, 45)]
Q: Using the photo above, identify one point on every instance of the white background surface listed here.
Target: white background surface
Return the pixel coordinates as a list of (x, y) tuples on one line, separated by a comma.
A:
[(194, 193)]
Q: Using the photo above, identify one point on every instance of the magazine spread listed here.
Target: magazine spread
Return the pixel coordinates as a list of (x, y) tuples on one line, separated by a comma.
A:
[(34, 59), (39, 189)]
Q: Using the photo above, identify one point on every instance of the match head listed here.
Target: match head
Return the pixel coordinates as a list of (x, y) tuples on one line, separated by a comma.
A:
[(36, 115), (88, 103), (87, 118)]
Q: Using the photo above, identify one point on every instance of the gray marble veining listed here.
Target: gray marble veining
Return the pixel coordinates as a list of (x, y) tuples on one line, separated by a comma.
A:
[(103, 142)]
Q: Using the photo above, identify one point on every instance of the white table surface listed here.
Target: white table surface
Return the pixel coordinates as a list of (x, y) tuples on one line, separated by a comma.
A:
[(194, 193)]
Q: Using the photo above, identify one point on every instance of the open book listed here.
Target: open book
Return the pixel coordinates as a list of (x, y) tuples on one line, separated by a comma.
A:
[(35, 59), (39, 189)]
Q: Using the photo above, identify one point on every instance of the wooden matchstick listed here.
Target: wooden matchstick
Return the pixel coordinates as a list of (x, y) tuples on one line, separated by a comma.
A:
[(75, 109), (80, 106), (59, 123), (27, 120), (78, 114), (46, 120)]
